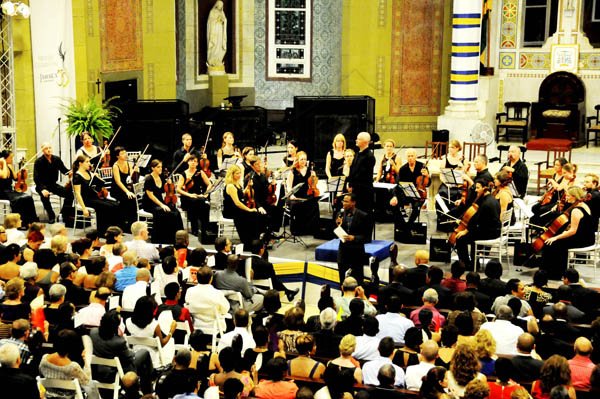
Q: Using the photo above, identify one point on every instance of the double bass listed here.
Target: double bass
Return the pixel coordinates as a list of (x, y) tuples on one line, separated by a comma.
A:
[(463, 224), (554, 228)]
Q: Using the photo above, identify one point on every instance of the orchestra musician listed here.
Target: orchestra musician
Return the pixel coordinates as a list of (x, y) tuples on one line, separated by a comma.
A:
[(21, 203), (590, 184), (166, 220), (360, 179), (480, 163), (547, 208), (264, 192), (86, 188), (334, 161), (389, 166), (518, 168), (483, 225), (454, 158), (247, 153), (88, 149), (45, 176), (246, 219), (409, 172), (292, 154), (580, 232), (182, 155), (227, 150), (502, 192), (191, 187), (358, 226), (122, 190), (304, 209)]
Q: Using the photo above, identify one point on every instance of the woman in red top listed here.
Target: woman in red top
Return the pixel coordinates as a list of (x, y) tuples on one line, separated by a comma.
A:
[(275, 387), (555, 371), (504, 386)]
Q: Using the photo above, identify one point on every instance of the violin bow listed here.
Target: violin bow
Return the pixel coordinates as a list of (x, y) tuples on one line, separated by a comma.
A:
[(137, 161), (102, 152), (210, 125), (179, 164)]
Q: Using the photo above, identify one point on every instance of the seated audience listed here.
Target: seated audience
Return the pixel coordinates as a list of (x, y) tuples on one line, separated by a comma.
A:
[(371, 368), (485, 348), (229, 279), (527, 366), (408, 354), (174, 381), (326, 340), (416, 373), (345, 360), (385, 389), (28, 273), (172, 299), (353, 324), (19, 334), (464, 368), (204, 301), (139, 243), (351, 290), (368, 343), (434, 384), (229, 358), (275, 387), (466, 302), (581, 364), (91, 315), (504, 385), (554, 372), (135, 291), (16, 382), (504, 332), (515, 289), (302, 365), (492, 285), (430, 300), (393, 323), (127, 275), (241, 319), (294, 326), (455, 283), (535, 295)]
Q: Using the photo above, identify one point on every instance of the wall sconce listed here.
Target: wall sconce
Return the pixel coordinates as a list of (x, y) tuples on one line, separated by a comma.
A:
[(569, 9), (13, 9)]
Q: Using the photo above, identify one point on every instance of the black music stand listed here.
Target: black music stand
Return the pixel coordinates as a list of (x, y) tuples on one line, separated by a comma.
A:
[(451, 178), (335, 186), (287, 211)]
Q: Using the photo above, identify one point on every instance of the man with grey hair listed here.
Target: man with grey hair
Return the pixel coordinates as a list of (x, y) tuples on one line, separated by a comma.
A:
[(15, 382), (141, 288), (430, 299), (140, 243), (415, 373), (409, 172), (505, 333), (45, 176), (229, 279), (361, 173), (351, 290), (326, 341), (518, 168)]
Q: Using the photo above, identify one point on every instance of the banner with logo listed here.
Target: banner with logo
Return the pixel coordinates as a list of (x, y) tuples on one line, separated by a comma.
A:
[(53, 70)]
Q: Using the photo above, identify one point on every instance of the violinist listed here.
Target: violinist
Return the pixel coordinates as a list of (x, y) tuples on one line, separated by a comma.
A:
[(484, 224), (304, 208), (590, 184), (45, 176), (20, 203), (261, 186), (247, 153), (85, 187), (244, 217), (579, 233), (409, 172), (292, 154), (454, 158), (520, 173), (89, 149), (184, 153), (167, 220), (502, 192), (121, 190), (389, 166), (192, 187), (546, 209), (227, 150), (334, 161), (449, 193)]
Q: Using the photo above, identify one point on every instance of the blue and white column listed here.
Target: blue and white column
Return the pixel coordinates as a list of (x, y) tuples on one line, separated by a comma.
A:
[(464, 65)]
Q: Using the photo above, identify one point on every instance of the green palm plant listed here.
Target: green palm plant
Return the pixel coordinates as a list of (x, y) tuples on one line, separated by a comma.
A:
[(92, 117)]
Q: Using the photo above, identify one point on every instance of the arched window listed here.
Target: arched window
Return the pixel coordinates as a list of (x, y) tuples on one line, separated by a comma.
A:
[(539, 22)]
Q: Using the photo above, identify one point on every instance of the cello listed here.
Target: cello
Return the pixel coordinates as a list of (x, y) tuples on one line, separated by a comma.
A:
[(463, 225), (554, 228)]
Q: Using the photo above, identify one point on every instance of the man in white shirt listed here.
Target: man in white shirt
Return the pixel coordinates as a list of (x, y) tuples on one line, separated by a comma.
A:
[(371, 368), (92, 314), (205, 302), (240, 319), (367, 344), (504, 332), (135, 291), (415, 373), (393, 323), (139, 244)]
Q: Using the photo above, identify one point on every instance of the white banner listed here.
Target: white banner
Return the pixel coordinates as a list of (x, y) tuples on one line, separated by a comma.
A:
[(53, 71)]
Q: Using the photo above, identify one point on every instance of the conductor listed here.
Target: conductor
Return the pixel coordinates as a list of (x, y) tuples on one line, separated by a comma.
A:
[(358, 226), (360, 178)]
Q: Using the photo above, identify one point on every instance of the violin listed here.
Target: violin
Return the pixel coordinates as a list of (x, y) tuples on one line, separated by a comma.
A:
[(313, 180), (203, 162), (135, 174), (169, 187), (272, 187), (105, 162), (390, 175), (422, 184), (249, 194), (21, 184)]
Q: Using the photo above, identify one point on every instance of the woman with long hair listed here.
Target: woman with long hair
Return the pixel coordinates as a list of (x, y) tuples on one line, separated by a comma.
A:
[(334, 161), (86, 194), (192, 187), (21, 203), (389, 166), (88, 148), (305, 209), (502, 192), (292, 153), (246, 220), (555, 372), (543, 211), (167, 220), (122, 189), (464, 367), (434, 384), (485, 347), (227, 150)]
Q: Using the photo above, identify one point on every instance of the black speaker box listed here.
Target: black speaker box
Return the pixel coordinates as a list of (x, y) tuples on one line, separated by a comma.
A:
[(410, 234), (439, 250), (325, 229), (440, 135)]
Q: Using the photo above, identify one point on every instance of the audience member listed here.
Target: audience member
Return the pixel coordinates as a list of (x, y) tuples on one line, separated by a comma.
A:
[(485, 348), (464, 368), (430, 300), (16, 383), (371, 368), (504, 385), (434, 384), (204, 301), (581, 364), (345, 360), (393, 323), (504, 332), (275, 387), (415, 373), (455, 283), (554, 372), (294, 325), (351, 290), (367, 344), (241, 319), (527, 367), (326, 340), (229, 279)]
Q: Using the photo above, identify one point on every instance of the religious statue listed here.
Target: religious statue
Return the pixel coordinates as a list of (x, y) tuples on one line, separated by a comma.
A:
[(217, 39)]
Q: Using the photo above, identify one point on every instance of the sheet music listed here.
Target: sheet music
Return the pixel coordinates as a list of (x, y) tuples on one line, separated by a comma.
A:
[(440, 201), (388, 186)]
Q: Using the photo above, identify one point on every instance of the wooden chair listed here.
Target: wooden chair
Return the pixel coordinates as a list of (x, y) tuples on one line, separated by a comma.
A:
[(471, 150), (545, 169), (437, 149), (593, 128), (516, 118)]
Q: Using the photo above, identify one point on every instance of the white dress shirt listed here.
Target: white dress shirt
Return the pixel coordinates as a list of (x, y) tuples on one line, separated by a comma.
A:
[(370, 370), (393, 325), (248, 341), (143, 249), (415, 373), (506, 335), (366, 348), (203, 301)]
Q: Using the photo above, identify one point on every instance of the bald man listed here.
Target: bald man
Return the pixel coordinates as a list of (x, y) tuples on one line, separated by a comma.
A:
[(581, 365), (518, 168), (45, 177), (360, 178)]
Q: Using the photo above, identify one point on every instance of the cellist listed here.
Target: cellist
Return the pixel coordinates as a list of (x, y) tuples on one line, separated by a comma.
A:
[(580, 232), (483, 225), (545, 210), (264, 194)]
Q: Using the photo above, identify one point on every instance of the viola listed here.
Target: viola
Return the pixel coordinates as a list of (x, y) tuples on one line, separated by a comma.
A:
[(170, 197), (21, 184), (204, 165), (313, 180), (249, 194), (272, 187), (422, 183), (102, 193)]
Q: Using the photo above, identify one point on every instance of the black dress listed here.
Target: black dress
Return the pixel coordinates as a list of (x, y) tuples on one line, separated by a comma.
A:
[(20, 203), (107, 211), (128, 206), (336, 166), (305, 210), (246, 223), (165, 224), (197, 208)]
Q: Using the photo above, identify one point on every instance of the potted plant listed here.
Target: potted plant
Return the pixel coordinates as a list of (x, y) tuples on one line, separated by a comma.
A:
[(92, 117)]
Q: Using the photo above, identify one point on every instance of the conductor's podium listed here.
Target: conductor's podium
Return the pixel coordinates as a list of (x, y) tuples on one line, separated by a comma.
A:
[(327, 252)]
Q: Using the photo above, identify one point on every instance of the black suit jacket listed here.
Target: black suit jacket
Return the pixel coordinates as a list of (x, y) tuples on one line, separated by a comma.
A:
[(395, 288), (492, 287), (415, 278), (520, 176), (527, 368), (351, 252), (361, 171), (585, 299)]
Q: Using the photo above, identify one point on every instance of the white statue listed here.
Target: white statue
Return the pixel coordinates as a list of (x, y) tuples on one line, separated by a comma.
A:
[(217, 39)]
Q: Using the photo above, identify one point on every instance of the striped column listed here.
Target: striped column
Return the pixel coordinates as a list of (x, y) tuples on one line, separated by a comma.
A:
[(464, 65)]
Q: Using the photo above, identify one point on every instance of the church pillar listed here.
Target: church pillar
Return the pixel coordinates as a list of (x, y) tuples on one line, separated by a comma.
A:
[(462, 111)]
